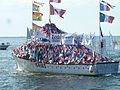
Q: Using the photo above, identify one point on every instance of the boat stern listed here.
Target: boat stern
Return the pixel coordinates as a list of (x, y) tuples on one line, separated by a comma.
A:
[(106, 68)]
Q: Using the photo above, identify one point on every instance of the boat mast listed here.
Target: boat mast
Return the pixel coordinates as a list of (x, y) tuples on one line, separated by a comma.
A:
[(100, 31), (32, 16), (49, 13)]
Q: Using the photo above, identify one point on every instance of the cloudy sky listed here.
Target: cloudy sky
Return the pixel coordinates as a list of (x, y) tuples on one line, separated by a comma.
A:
[(82, 16)]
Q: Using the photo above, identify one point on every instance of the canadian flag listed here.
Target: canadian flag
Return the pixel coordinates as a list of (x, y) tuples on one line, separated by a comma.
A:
[(55, 11), (57, 1)]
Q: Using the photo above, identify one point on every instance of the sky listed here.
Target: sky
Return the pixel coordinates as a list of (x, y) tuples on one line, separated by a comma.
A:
[(81, 16)]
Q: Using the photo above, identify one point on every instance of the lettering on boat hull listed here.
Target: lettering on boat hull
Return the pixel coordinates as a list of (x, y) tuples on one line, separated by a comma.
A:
[(40, 65)]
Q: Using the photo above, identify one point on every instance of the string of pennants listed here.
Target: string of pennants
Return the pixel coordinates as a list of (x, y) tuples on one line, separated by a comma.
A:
[(104, 6), (37, 15), (51, 32)]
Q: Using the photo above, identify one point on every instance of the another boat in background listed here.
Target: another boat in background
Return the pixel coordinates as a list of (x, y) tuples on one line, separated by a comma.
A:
[(4, 46)]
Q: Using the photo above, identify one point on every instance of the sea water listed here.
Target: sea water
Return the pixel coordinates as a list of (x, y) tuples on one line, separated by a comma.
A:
[(12, 79)]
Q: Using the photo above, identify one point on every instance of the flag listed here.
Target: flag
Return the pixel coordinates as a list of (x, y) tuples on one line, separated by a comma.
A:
[(37, 16), (39, 3), (104, 7), (36, 7), (102, 17), (52, 10), (109, 19), (94, 56), (39, 34), (36, 27), (56, 1), (55, 11), (106, 18), (108, 4)]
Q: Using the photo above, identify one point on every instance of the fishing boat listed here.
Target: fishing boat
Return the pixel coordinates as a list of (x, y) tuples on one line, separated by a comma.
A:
[(48, 50), (4, 46)]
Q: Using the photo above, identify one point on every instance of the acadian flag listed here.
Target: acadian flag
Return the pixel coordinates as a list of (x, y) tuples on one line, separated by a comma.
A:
[(56, 1), (37, 16), (36, 27), (104, 7), (55, 11), (36, 7), (106, 18)]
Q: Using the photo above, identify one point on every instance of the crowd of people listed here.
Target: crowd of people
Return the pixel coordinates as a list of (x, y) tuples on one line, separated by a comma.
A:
[(58, 54)]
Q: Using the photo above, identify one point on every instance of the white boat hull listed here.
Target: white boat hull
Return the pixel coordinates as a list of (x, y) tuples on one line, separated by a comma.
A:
[(84, 69)]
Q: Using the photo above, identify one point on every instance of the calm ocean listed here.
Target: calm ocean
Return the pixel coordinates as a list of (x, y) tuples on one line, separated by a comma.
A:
[(11, 79)]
